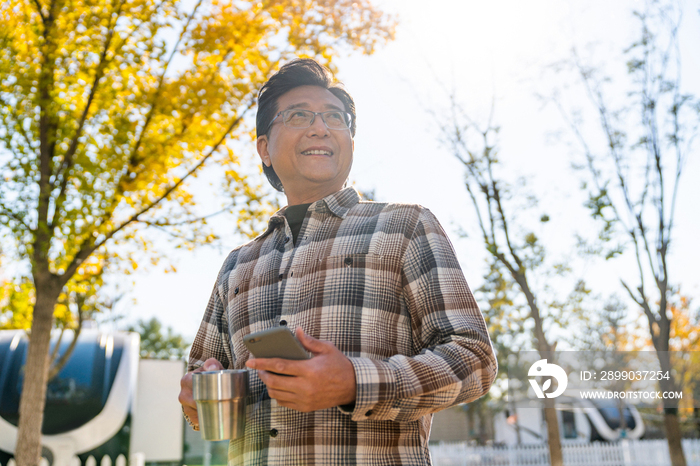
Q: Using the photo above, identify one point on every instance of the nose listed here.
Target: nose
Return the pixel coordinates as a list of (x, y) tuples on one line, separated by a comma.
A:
[(318, 128)]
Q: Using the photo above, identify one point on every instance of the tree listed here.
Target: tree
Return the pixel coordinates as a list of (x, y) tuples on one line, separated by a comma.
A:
[(108, 109), (515, 254), (157, 345), (633, 178), (685, 337)]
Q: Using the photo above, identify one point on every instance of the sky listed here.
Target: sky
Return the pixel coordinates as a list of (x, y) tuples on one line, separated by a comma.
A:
[(488, 52)]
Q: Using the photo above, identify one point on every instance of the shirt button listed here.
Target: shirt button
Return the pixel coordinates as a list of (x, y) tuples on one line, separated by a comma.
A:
[(368, 413), (291, 274), (235, 291), (273, 433), (283, 323), (286, 239), (281, 276), (348, 261)]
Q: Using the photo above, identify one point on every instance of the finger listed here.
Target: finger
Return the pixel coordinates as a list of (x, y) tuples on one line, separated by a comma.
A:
[(189, 406), (280, 394), (186, 400), (277, 365), (192, 414), (312, 344), (279, 390), (212, 364)]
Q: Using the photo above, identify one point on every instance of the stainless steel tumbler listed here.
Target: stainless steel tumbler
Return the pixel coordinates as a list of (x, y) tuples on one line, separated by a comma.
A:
[(221, 403)]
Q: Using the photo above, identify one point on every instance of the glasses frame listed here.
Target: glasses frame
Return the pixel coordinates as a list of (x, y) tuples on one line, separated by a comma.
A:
[(348, 119)]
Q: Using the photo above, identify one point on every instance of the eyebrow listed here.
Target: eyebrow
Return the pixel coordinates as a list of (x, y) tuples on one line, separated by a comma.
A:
[(306, 105)]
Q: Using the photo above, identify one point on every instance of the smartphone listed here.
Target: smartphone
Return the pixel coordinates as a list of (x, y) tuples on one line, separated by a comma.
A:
[(275, 342)]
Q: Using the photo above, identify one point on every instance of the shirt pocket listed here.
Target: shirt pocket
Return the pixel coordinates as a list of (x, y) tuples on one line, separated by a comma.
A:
[(356, 302)]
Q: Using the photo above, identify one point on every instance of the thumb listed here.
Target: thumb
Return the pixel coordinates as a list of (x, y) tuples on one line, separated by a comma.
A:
[(310, 343), (212, 364)]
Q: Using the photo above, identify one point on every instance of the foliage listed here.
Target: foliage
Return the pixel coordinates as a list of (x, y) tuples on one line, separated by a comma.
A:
[(103, 120), (609, 326), (155, 344), (504, 317), (109, 109), (685, 331), (685, 341), (16, 304)]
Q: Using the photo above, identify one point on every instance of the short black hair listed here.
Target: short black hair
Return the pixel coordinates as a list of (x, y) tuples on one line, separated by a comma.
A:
[(299, 72)]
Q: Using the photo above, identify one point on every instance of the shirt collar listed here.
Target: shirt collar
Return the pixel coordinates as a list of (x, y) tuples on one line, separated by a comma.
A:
[(338, 204)]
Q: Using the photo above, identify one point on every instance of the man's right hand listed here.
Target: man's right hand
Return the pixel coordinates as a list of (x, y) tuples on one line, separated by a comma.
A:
[(189, 406)]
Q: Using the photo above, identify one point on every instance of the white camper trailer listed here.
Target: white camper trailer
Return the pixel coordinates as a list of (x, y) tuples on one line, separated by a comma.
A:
[(580, 420)]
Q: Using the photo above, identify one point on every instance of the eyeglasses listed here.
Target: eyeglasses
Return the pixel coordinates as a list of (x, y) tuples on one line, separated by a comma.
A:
[(299, 119)]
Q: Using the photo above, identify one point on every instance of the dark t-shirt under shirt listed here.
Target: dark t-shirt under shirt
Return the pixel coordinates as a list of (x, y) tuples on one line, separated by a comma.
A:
[(295, 217)]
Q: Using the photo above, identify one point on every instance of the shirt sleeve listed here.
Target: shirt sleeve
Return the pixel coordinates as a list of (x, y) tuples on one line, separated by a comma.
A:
[(212, 339), (456, 363)]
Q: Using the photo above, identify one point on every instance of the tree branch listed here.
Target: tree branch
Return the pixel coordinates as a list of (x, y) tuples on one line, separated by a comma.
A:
[(41, 13), (54, 353), (187, 222), (18, 124), (88, 247), (67, 162), (47, 146), (133, 159), (590, 161), (7, 211), (595, 94), (504, 221), (478, 213), (58, 365)]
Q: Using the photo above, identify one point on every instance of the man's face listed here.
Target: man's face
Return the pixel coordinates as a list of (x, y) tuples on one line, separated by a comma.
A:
[(313, 161)]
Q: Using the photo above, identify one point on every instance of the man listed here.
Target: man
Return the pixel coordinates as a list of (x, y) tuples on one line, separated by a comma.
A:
[(373, 290)]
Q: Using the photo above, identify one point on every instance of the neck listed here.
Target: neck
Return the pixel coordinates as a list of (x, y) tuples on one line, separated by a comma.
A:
[(308, 197)]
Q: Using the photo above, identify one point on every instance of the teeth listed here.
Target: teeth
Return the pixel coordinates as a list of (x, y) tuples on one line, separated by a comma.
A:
[(316, 152)]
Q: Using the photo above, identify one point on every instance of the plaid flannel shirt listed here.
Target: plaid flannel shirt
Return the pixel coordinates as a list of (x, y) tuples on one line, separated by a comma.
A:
[(380, 281)]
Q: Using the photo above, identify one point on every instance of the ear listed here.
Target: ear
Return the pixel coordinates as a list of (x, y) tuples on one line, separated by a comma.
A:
[(262, 150)]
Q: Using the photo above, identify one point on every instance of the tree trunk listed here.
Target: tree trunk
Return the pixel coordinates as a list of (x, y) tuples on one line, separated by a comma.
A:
[(36, 372), (673, 436), (546, 351), (556, 457), (673, 430)]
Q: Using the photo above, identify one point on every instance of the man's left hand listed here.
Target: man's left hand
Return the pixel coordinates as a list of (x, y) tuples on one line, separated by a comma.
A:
[(324, 381)]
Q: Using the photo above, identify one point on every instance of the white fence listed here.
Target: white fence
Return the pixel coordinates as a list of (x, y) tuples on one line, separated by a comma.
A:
[(136, 460), (624, 453)]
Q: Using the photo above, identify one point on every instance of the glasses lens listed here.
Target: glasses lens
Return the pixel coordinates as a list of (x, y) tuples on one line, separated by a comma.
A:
[(303, 119), (336, 120), (297, 118)]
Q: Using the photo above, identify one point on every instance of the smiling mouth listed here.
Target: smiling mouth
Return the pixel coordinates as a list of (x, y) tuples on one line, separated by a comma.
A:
[(317, 152)]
